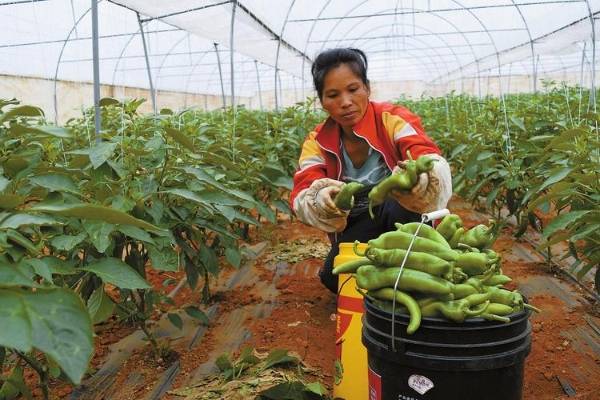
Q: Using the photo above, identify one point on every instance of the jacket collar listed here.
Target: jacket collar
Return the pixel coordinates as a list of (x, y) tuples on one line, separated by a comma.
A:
[(329, 135)]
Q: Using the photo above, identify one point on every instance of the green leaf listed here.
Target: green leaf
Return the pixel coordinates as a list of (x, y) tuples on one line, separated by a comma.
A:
[(15, 221), (99, 234), (101, 152), (55, 265), (221, 198), (223, 363), (519, 122), (233, 256), (164, 259), (14, 385), (188, 195), (21, 111), (16, 327), (95, 212), (55, 183), (100, 306), (61, 328), (555, 177), (45, 130), (282, 206), (266, 212), (316, 388), (484, 155), (279, 356), (562, 221), (53, 321), (284, 391), (180, 138), (11, 201), (116, 272), (209, 260), (14, 276), (175, 320), (67, 242), (135, 233), (196, 313), (109, 101), (41, 269)]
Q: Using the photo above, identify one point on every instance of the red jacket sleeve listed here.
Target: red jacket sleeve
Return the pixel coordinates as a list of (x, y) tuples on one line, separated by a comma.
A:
[(311, 166)]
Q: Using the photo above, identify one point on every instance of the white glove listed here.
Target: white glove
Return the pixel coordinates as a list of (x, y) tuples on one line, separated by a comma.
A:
[(315, 206), (432, 190)]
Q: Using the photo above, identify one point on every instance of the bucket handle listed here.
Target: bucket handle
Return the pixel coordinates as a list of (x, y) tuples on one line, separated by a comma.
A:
[(424, 218)]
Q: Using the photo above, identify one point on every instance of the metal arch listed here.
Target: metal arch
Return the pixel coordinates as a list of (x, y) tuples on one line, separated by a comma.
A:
[(287, 16), (428, 56), (308, 40), (162, 63), (534, 76), (121, 55), (509, 145), (431, 13), (60, 57), (593, 69), (429, 31), (189, 77)]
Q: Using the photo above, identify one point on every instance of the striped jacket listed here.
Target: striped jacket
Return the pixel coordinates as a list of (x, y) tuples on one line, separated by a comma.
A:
[(389, 129)]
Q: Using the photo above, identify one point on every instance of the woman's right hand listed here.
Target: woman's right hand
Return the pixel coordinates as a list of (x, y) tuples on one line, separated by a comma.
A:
[(315, 206)]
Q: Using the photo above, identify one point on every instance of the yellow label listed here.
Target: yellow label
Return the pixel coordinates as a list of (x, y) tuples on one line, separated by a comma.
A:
[(351, 381)]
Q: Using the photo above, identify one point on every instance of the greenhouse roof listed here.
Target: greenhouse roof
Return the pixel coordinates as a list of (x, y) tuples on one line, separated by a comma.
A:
[(192, 43)]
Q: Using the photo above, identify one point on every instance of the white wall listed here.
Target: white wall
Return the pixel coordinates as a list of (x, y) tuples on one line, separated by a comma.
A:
[(73, 96)]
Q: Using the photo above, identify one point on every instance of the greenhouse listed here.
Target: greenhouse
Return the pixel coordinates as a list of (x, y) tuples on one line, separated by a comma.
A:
[(299, 199)]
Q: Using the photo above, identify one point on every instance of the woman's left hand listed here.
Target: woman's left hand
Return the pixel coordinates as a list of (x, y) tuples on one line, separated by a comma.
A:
[(432, 190)]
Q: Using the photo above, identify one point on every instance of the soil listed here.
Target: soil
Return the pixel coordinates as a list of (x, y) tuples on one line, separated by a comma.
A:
[(303, 321)]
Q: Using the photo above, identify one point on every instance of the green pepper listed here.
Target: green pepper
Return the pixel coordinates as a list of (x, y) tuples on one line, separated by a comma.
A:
[(456, 238), (480, 236), (371, 277), (416, 260), (455, 310), (399, 180), (350, 266), (345, 198), (401, 240), (496, 280), (462, 290), (425, 231), (448, 225), (473, 263), (424, 164), (404, 299)]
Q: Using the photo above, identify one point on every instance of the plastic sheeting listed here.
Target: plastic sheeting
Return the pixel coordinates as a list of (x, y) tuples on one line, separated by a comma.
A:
[(435, 42)]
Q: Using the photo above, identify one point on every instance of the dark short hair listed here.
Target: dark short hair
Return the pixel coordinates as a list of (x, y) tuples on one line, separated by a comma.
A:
[(333, 58)]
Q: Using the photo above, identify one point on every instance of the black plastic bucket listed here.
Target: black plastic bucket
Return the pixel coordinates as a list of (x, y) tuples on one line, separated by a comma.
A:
[(474, 360)]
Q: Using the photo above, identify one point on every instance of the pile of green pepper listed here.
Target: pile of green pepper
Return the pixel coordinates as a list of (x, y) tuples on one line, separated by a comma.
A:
[(450, 272)]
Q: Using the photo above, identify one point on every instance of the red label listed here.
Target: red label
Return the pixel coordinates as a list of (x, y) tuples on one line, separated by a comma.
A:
[(374, 385), (354, 304)]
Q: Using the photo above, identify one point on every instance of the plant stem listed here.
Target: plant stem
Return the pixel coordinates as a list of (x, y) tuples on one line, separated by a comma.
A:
[(40, 369)]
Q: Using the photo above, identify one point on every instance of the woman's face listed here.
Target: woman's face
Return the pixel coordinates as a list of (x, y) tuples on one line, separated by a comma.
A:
[(345, 96)]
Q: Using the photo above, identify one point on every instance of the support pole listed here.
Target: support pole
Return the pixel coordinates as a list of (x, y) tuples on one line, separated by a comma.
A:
[(220, 74), (96, 62), (258, 83), (152, 91), (231, 44)]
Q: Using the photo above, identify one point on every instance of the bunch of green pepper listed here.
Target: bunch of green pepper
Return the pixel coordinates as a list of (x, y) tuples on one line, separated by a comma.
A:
[(438, 280), (404, 180)]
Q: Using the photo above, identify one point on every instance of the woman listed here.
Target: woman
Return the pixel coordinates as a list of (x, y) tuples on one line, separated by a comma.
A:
[(361, 141)]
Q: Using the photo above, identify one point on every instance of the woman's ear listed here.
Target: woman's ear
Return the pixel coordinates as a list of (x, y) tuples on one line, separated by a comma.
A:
[(368, 85)]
